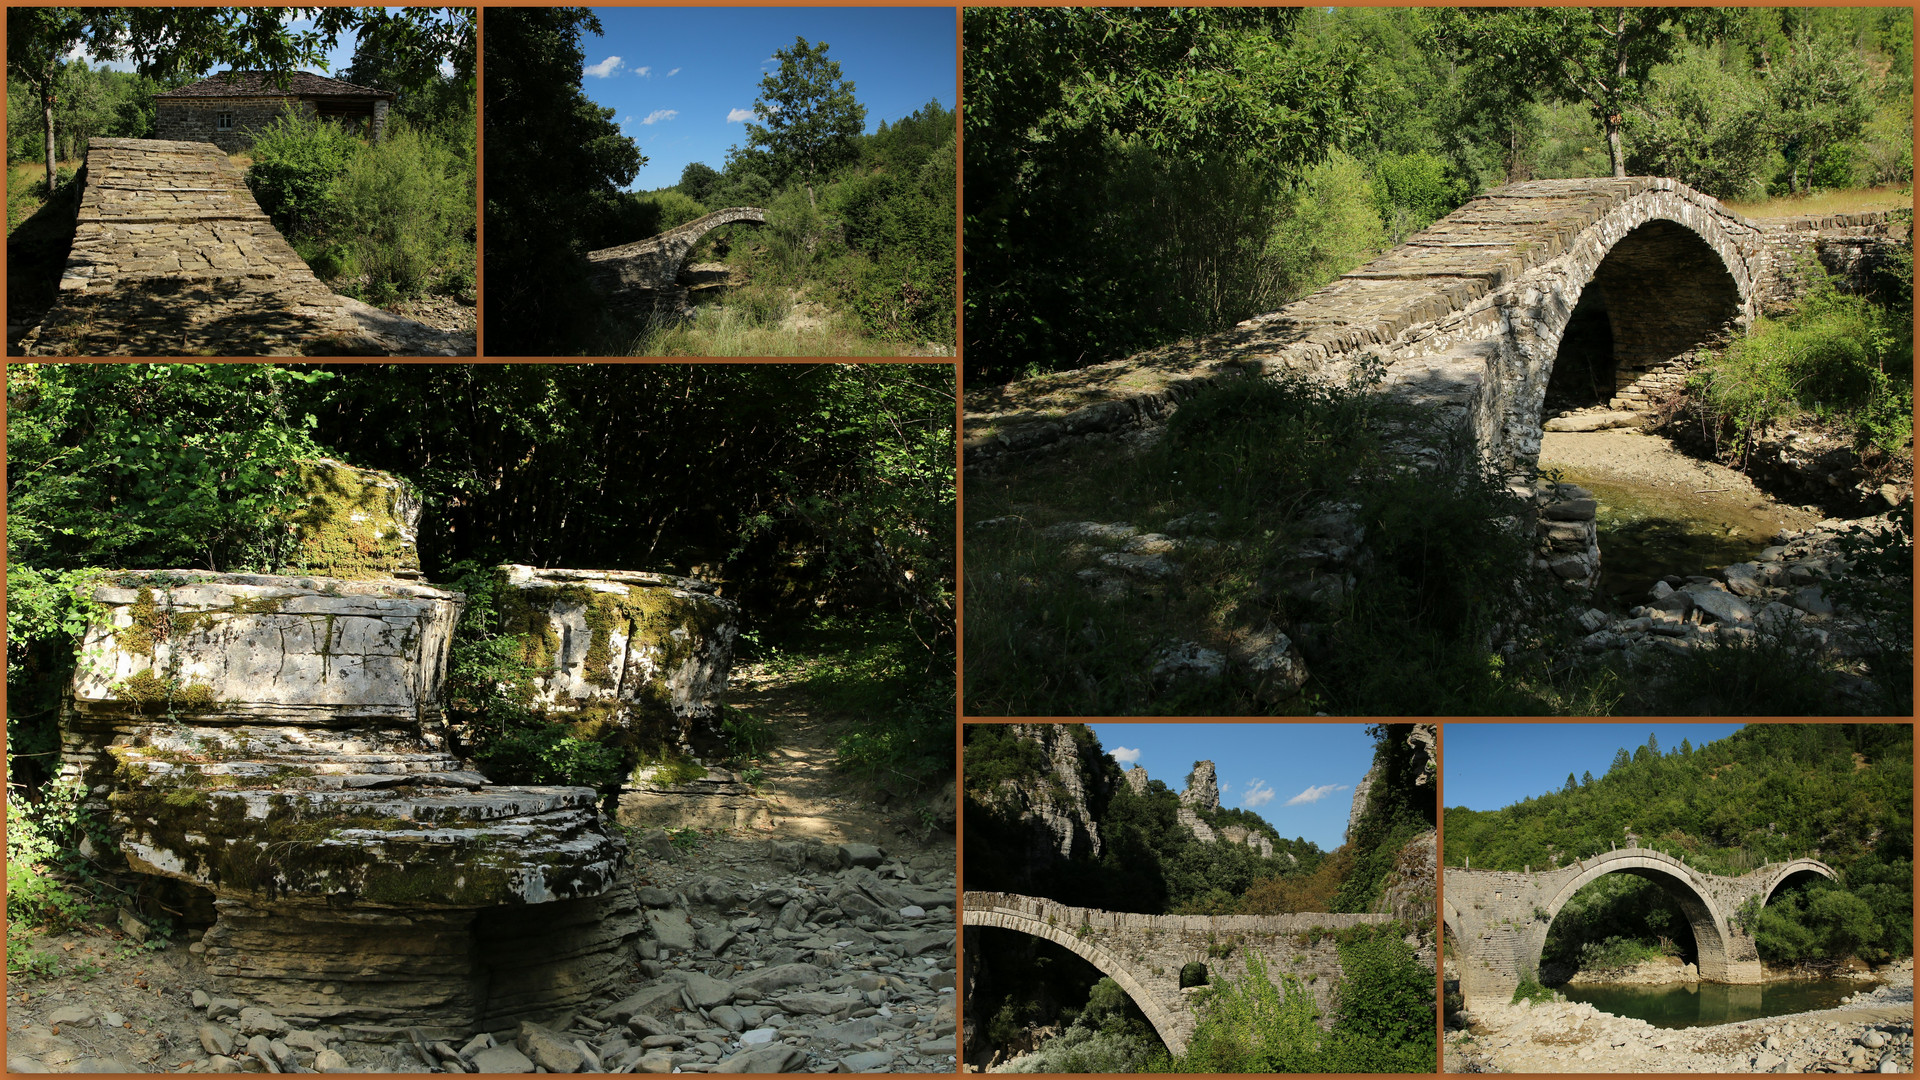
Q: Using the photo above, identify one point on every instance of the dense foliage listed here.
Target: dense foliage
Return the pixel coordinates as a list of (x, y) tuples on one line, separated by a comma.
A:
[(1835, 359), (1137, 176), (555, 165), (1842, 793), (819, 496)]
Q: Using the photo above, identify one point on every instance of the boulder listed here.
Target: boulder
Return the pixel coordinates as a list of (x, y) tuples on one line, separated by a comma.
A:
[(1722, 607), (499, 1059), (547, 1049), (766, 1059)]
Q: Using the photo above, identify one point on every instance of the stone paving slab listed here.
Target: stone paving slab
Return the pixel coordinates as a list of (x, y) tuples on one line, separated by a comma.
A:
[(172, 256)]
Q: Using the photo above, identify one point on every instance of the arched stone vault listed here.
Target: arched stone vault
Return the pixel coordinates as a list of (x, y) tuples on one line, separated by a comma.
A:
[(1500, 918), (655, 263)]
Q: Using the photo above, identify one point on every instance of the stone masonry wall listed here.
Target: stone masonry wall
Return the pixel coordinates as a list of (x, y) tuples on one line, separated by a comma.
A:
[(198, 119), (1498, 920)]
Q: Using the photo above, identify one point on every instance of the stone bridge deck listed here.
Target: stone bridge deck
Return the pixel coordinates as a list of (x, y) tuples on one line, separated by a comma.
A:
[(172, 256), (642, 278)]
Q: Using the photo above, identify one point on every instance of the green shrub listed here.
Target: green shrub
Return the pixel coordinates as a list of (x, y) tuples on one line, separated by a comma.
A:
[(407, 204), (670, 208), (1248, 1024), (39, 843), (1384, 1019), (296, 160), (546, 754), (1531, 990)]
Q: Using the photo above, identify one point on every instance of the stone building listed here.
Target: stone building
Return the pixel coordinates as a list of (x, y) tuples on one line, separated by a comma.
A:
[(227, 108)]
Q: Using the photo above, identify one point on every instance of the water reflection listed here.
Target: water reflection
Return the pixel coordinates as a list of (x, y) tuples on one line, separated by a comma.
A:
[(1681, 1005)]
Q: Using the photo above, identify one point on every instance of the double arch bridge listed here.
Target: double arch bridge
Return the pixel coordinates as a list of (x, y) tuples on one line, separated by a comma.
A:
[(1497, 921)]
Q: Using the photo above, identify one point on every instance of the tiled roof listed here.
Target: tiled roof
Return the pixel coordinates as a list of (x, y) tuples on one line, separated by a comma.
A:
[(261, 84)]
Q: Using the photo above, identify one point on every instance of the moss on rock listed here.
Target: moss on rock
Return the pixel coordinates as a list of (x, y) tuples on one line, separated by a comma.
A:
[(352, 523)]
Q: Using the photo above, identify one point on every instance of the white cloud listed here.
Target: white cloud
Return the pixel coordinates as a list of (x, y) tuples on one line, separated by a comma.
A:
[(658, 115), (672, 73), (446, 68), (1123, 755), (1259, 793), (604, 68), (736, 116), (645, 72), (1315, 794)]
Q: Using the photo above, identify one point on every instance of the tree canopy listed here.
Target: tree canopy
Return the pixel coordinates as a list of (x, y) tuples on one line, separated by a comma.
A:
[(809, 116)]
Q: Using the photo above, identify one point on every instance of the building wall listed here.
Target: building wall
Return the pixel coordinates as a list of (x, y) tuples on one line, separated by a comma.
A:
[(198, 119)]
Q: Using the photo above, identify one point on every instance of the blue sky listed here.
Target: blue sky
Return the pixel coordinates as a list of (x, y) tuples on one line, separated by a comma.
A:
[(1299, 777), (1488, 766), (682, 81)]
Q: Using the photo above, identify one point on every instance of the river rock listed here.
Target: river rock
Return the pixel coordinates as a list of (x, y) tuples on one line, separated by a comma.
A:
[(215, 1039), (499, 1059), (768, 1059), (1721, 606)]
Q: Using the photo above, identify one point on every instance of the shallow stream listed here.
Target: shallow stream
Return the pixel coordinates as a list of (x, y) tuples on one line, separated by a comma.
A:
[(1648, 532), (1683, 1005)]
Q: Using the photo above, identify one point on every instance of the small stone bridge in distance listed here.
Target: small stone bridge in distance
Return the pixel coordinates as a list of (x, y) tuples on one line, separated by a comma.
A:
[(643, 277), (1497, 921), (172, 256), (1144, 953)]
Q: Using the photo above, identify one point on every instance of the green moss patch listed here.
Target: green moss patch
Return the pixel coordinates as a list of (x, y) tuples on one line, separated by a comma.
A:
[(349, 526)]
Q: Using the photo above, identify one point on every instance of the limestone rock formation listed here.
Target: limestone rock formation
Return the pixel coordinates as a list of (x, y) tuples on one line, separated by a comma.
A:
[(1203, 789), (276, 744)]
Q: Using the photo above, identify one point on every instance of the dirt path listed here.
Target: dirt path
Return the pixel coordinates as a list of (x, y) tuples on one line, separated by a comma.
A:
[(808, 796)]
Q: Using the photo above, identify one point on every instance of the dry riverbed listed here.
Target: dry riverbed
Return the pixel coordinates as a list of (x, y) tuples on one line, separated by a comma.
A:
[(1873, 1032)]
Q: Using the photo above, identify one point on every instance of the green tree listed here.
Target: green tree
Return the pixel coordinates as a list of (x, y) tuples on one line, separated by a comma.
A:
[(1599, 57), (1586, 779), (37, 39), (1110, 151), (1620, 761), (698, 180), (1705, 124), (809, 117), (555, 165), (1821, 98)]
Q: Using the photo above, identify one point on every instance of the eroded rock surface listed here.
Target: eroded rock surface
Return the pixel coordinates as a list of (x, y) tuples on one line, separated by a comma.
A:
[(275, 745)]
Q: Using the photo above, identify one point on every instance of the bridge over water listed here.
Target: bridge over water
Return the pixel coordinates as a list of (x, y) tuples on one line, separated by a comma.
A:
[(172, 256), (1144, 953), (1497, 921), (643, 277)]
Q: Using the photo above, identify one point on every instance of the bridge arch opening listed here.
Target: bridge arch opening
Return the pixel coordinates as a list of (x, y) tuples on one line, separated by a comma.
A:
[(1712, 946), (1660, 293), (1021, 983), (1605, 920)]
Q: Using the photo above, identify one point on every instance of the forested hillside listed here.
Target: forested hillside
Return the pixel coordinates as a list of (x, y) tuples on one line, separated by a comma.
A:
[(1841, 793), (1134, 176)]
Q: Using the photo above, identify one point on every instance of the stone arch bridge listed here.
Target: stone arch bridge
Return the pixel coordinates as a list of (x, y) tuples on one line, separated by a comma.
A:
[(643, 277), (172, 256), (1144, 953), (1497, 921), (1469, 314), (1469, 317)]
